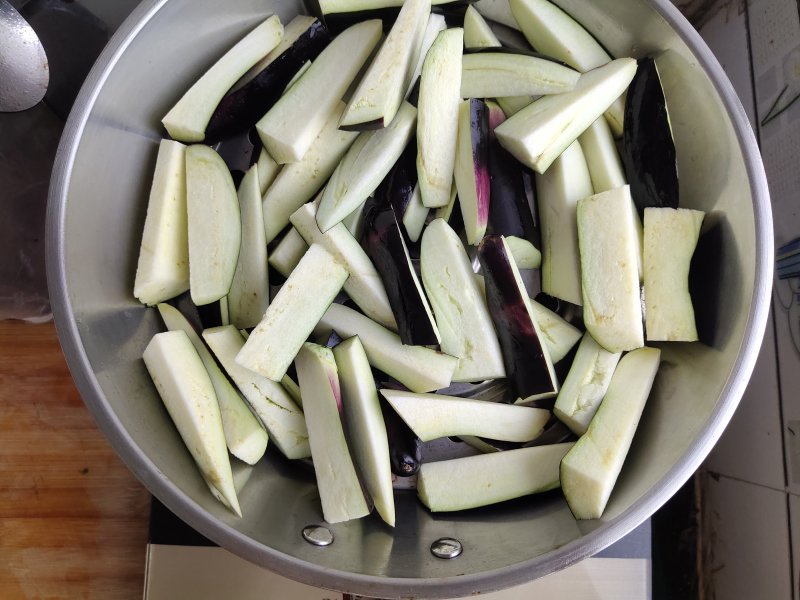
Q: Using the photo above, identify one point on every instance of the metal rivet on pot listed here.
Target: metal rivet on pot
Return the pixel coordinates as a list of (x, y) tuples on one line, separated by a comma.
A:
[(317, 535), (446, 548)]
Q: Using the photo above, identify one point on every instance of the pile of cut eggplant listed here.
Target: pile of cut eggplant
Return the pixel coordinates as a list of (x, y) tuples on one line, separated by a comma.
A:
[(411, 182)]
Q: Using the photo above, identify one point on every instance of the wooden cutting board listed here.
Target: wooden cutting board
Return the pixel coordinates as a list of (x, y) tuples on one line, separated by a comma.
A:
[(73, 519)]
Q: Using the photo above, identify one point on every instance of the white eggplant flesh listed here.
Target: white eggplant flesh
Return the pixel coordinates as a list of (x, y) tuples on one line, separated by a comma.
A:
[(586, 384), (415, 216), (670, 238), (462, 317), (163, 268), (539, 133), (526, 255), (339, 487), (188, 395), (248, 297), (244, 435), (287, 254), (612, 309), (463, 483), (437, 121), (418, 368), (433, 416), (290, 127), (365, 426), (499, 74), (298, 182), (381, 90), (511, 105), (364, 286), (557, 194), (188, 119), (293, 313), (268, 170), (436, 23), (590, 470), (602, 158), (215, 227), (477, 33), (269, 400), (362, 169)]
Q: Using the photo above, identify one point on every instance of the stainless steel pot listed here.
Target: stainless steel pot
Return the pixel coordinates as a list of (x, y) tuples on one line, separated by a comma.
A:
[(97, 208)]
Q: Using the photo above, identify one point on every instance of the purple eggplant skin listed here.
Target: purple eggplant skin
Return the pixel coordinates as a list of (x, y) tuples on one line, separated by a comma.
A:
[(648, 150), (523, 351), (405, 449), (384, 244), (241, 109), (334, 339), (479, 126), (397, 188), (509, 212)]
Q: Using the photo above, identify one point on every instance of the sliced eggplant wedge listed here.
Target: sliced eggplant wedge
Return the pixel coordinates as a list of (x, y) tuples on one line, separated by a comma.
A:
[(509, 212), (477, 33), (268, 170), (433, 416), (525, 254), (553, 32), (437, 122), (299, 182), (163, 269), (364, 166), (557, 194), (383, 241), (418, 368), (246, 438), (268, 399), (497, 74), (364, 286), (303, 40), (366, 429), (538, 134), (464, 322), (463, 483), (292, 315), (602, 158), (248, 297), (648, 149), (590, 470), (436, 23), (445, 212), (670, 238), (381, 90), (612, 309), (290, 127), (287, 254), (215, 227), (511, 105), (188, 119), (585, 385), (525, 354), (339, 486), (416, 216), (472, 167), (188, 395)]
